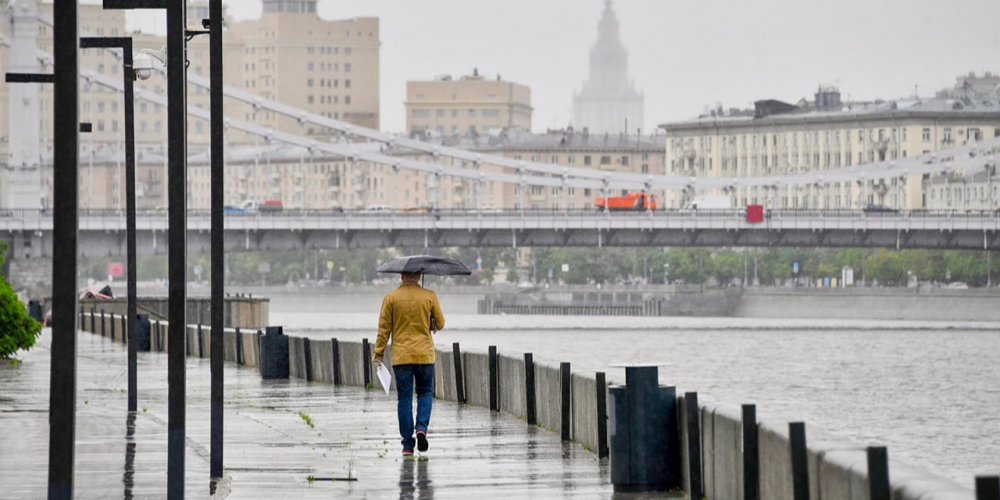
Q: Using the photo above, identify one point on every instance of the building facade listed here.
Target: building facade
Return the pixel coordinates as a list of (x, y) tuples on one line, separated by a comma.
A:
[(608, 101), (469, 105), (289, 174), (289, 54), (778, 139)]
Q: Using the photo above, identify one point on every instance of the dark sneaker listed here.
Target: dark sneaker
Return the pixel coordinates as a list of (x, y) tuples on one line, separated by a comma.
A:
[(407, 453), (421, 440)]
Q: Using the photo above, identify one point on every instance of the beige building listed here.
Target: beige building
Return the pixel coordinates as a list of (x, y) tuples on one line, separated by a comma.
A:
[(289, 54), (778, 139), (286, 173), (469, 105)]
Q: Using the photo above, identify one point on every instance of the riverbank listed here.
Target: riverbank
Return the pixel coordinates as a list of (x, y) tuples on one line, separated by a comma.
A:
[(902, 304)]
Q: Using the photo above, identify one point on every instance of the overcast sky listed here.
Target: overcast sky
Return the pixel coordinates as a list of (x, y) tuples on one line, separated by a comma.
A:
[(685, 54)]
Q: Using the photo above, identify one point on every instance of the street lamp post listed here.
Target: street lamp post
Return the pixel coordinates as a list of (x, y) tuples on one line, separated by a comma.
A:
[(128, 77)]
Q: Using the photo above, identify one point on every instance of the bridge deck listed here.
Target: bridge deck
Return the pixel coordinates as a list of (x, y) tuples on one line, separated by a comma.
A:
[(270, 451)]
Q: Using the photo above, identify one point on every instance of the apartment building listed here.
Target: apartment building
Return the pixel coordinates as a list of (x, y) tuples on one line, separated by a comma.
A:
[(468, 105), (778, 138)]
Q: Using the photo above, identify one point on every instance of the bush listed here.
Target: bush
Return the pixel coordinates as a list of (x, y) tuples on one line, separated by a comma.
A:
[(17, 329)]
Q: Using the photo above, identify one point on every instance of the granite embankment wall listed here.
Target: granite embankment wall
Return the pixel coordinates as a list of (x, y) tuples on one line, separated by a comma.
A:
[(916, 304), (574, 404)]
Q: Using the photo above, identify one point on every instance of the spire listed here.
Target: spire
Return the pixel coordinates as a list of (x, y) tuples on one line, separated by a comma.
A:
[(608, 28)]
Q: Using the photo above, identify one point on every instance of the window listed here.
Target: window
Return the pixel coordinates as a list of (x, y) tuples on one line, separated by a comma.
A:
[(347, 51), (309, 82), (420, 113), (645, 168), (347, 99), (347, 84), (347, 67), (625, 161), (454, 113), (311, 98), (310, 66), (440, 113), (861, 136), (586, 161), (947, 136), (100, 107), (927, 135), (472, 113), (605, 160)]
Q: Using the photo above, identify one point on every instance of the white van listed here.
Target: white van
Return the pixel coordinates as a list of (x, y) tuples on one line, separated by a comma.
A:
[(709, 203)]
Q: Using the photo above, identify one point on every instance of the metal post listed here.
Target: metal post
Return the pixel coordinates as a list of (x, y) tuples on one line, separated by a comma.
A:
[(456, 351), (987, 487), (529, 389), (800, 460), (691, 413), (878, 473), (565, 421), (66, 150), (218, 179), (336, 361), (132, 308), (751, 454), (602, 415), (494, 386), (177, 242)]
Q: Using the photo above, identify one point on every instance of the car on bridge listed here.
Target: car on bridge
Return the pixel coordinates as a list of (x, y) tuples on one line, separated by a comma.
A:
[(879, 209)]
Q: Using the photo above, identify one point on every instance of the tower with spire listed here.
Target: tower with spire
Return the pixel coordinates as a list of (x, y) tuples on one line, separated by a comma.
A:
[(608, 101)]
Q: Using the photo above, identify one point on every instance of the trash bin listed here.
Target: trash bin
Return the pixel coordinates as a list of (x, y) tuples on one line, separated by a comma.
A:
[(273, 354), (35, 310), (645, 441)]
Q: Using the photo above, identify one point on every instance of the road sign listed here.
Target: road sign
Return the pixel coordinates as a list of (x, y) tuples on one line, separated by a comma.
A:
[(795, 267)]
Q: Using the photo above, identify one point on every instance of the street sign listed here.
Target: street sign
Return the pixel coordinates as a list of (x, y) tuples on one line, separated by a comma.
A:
[(329, 265), (795, 267), (264, 267), (565, 268)]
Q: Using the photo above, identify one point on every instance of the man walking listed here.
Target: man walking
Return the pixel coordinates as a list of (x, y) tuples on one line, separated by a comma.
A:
[(410, 315)]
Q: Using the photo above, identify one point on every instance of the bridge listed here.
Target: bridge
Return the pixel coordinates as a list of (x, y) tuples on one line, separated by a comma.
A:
[(103, 232)]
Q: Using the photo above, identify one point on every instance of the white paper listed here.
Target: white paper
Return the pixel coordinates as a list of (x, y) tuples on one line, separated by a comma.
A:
[(383, 376)]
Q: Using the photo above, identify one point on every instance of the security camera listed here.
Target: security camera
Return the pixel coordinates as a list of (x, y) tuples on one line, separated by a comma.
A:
[(143, 65), (206, 23)]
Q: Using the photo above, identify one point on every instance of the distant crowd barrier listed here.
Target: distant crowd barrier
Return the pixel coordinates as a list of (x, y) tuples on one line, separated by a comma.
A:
[(726, 451)]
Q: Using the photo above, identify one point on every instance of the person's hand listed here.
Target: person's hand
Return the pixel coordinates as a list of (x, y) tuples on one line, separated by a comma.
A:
[(434, 325), (378, 360)]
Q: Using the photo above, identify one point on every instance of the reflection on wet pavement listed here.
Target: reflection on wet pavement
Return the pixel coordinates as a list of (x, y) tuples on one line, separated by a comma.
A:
[(271, 450)]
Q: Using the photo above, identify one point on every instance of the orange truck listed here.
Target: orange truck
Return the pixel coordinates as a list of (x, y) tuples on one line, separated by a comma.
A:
[(633, 201)]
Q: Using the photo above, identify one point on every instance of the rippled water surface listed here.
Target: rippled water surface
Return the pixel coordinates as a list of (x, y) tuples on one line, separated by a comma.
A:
[(927, 390)]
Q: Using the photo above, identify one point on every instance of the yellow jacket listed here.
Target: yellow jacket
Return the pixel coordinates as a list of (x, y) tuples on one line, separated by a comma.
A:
[(406, 318)]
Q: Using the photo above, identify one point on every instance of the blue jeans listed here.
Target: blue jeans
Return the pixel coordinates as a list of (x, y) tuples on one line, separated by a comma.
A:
[(424, 377)]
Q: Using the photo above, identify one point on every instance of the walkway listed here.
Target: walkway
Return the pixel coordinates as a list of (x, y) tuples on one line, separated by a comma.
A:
[(271, 451)]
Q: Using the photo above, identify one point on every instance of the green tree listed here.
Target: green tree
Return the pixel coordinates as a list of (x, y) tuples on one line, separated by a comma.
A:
[(17, 330)]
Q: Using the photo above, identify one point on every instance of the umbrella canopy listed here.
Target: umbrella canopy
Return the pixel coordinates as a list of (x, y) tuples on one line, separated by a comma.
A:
[(425, 264)]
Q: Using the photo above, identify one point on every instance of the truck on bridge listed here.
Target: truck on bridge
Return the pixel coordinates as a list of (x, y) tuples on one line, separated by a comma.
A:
[(636, 201)]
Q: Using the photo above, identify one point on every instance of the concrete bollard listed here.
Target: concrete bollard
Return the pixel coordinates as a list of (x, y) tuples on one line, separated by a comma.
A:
[(988, 488), (273, 354), (751, 454), (112, 321), (103, 332), (93, 315), (143, 333), (691, 412), (35, 310), (800, 460), (645, 446), (878, 474)]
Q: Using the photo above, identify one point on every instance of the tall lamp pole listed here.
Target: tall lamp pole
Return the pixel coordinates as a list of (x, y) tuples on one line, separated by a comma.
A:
[(128, 76), (218, 226)]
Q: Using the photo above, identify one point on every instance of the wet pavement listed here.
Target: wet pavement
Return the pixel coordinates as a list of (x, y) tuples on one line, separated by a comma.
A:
[(288, 439)]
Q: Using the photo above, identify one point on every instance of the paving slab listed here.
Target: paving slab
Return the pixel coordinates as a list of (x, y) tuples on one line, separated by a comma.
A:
[(271, 451)]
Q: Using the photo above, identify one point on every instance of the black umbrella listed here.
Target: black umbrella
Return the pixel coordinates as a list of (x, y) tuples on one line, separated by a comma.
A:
[(425, 264)]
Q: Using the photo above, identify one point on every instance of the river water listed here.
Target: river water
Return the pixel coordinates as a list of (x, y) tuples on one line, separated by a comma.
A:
[(927, 390)]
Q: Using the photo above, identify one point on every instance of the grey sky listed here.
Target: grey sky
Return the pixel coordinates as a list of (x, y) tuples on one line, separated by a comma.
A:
[(685, 54)]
